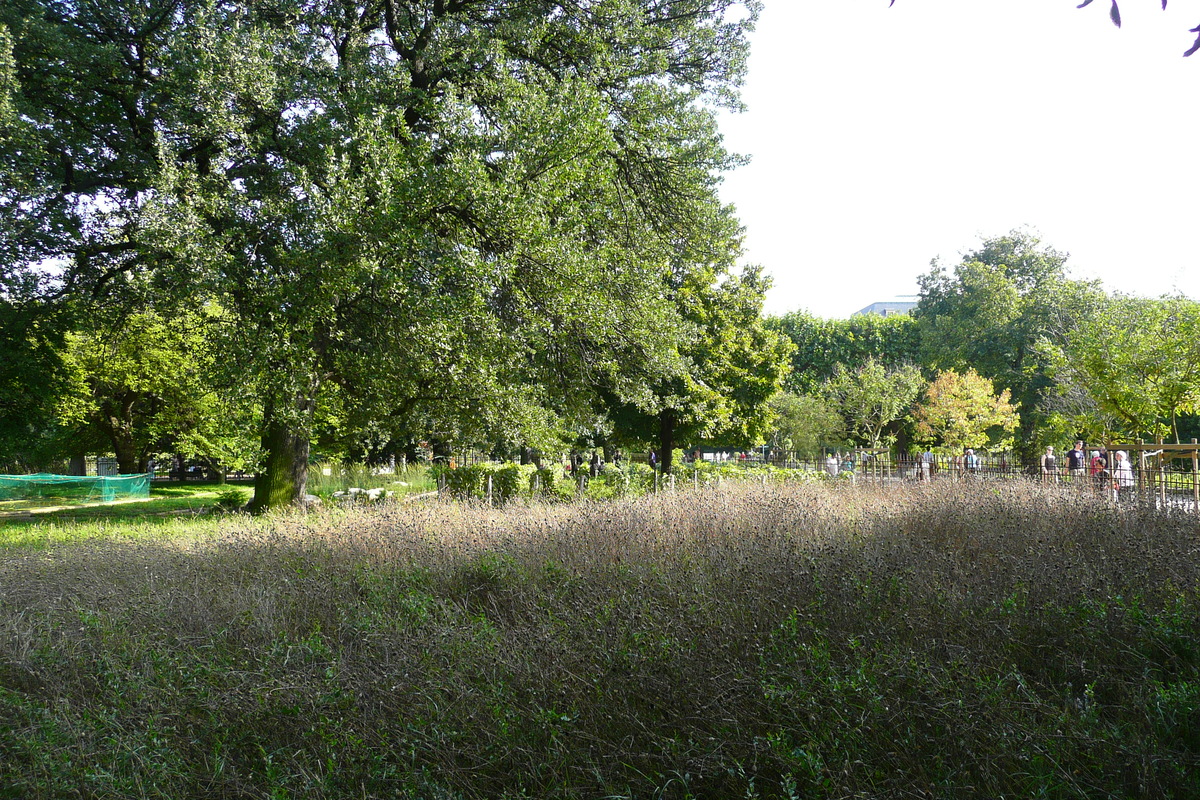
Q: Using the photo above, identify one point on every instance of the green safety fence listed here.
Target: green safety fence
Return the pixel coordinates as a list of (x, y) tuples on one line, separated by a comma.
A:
[(90, 488)]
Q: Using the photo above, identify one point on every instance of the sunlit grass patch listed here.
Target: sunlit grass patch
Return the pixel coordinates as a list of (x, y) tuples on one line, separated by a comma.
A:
[(190, 498)]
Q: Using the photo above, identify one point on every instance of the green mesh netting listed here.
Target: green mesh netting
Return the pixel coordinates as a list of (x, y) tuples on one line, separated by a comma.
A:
[(44, 485)]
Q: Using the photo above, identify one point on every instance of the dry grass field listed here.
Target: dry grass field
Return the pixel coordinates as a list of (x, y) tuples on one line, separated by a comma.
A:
[(807, 642)]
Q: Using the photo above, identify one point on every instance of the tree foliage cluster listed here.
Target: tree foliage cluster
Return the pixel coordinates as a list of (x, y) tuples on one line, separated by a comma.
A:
[(1007, 350), (451, 220)]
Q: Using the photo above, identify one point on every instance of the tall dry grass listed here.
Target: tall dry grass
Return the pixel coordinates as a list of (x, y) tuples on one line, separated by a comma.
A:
[(923, 641)]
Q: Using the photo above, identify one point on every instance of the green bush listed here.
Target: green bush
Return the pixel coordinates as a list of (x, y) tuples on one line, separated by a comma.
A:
[(345, 476), (510, 481), (231, 499), (553, 483), (470, 481)]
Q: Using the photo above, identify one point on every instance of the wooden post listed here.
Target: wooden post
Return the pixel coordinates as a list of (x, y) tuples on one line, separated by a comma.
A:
[(1141, 476), (1160, 475), (1195, 478)]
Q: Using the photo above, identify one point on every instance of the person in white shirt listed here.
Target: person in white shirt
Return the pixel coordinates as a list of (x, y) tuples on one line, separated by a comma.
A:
[(1123, 479)]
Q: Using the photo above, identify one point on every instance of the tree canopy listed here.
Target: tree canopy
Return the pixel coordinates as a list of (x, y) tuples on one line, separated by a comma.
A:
[(993, 314), (455, 209), (960, 411), (822, 344), (1139, 358), (734, 366), (871, 397), (805, 423)]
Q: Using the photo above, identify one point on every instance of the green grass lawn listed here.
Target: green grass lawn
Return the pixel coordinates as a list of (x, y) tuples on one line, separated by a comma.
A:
[(166, 500), (54, 519)]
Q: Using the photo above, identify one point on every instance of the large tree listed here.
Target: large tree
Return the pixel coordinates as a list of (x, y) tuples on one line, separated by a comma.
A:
[(434, 203), (32, 377), (1138, 359), (804, 424), (994, 313), (140, 384), (732, 365)]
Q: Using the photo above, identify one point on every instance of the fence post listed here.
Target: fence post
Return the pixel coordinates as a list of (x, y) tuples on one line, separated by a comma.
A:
[(489, 495), (1162, 473), (1195, 478)]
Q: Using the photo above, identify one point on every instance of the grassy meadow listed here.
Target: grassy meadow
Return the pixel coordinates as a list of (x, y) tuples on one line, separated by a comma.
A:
[(171, 500), (737, 642)]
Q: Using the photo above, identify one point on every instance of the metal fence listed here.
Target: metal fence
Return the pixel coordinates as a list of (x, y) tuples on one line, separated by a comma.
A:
[(1161, 475)]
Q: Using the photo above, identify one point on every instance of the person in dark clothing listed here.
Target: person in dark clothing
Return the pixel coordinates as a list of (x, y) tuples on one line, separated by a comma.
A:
[(1076, 461)]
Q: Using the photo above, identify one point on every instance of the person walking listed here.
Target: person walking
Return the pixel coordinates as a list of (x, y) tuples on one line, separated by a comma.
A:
[(1099, 472), (1123, 481), (971, 462), (1077, 461), (1049, 465), (832, 464)]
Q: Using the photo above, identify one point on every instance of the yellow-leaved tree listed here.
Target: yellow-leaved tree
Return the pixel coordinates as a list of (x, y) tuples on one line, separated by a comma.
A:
[(961, 410)]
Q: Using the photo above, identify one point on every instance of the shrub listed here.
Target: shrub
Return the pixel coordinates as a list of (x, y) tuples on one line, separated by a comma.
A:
[(231, 499), (471, 481)]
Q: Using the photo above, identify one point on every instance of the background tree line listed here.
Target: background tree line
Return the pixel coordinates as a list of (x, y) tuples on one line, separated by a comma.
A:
[(1004, 350)]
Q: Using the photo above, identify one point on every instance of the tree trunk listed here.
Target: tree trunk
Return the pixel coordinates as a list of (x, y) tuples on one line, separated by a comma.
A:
[(126, 451), (283, 479), (666, 439), (1027, 444), (214, 471), (442, 451)]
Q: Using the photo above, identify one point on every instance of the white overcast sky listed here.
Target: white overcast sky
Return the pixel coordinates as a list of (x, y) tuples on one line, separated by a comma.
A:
[(883, 137)]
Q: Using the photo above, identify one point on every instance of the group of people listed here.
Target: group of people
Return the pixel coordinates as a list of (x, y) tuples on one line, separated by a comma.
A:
[(1116, 477), (836, 463), (967, 464)]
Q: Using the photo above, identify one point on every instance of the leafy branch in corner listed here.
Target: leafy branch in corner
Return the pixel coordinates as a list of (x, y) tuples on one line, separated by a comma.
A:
[(1115, 14)]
